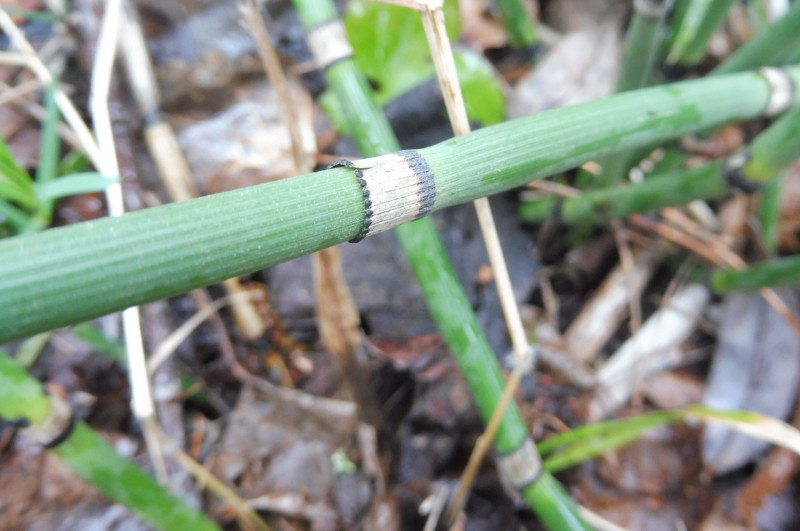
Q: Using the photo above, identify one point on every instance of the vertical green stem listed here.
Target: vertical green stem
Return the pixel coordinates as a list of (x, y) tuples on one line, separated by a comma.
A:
[(48, 160), (701, 19), (521, 31), (446, 299), (774, 149), (780, 40), (645, 34)]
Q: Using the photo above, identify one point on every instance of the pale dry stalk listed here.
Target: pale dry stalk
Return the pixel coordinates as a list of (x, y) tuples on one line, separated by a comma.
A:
[(444, 63), (172, 167), (337, 313)]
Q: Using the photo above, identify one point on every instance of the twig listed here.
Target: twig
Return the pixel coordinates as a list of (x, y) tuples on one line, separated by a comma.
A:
[(23, 89), (629, 266), (647, 351), (249, 518), (39, 113), (14, 59), (602, 315), (172, 166), (435, 504), (71, 115), (272, 66), (337, 313), (712, 254), (171, 343), (142, 403), (482, 447)]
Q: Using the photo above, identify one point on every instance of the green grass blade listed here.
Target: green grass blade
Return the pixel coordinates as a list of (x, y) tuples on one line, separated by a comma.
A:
[(13, 215), (588, 442), (23, 196), (50, 149), (769, 274), (78, 183), (769, 214), (11, 171), (92, 458), (775, 42)]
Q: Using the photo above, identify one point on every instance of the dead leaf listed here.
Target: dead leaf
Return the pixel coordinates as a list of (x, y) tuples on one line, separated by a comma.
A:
[(756, 368), (583, 66), (337, 313), (247, 143), (789, 228), (282, 451)]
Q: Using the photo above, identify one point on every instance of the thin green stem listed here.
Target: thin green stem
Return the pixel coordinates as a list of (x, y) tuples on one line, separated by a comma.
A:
[(774, 149), (446, 299), (10, 170), (645, 34), (701, 19), (776, 41), (770, 214), (72, 274), (11, 191), (49, 153), (770, 154), (773, 273), (92, 458), (773, 46), (13, 215), (671, 189), (644, 37), (440, 285)]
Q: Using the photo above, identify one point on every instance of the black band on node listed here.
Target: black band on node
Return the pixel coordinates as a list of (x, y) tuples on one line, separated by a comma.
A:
[(735, 178)]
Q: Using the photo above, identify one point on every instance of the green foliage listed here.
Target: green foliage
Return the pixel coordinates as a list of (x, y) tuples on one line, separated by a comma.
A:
[(390, 46), (391, 49), (697, 22), (483, 95), (26, 204), (587, 442), (342, 464)]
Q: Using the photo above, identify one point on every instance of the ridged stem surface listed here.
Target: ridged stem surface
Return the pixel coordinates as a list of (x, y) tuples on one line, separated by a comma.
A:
[(71, 274)]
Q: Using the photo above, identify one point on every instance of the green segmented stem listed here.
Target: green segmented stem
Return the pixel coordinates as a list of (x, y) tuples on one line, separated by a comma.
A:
[(657, 192), (72, 274), (778, 41), (774, 149), (770, 215), (775, 46), (770, 154), (94, 459), (642, 42)]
